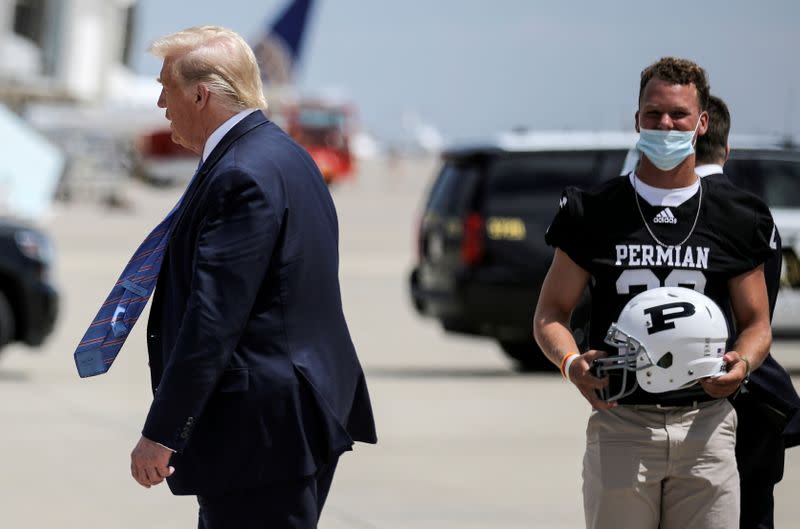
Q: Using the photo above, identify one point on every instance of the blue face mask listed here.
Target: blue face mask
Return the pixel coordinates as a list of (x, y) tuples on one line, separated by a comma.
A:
[(666, 149)]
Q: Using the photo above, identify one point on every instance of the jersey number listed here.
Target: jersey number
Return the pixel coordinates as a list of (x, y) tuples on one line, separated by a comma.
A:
[(643, 279)]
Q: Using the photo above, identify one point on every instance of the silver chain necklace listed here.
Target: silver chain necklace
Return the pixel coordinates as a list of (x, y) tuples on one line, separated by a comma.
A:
[(653, 235)]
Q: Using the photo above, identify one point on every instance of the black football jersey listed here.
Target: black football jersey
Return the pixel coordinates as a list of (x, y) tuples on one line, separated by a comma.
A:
[(604, 231)]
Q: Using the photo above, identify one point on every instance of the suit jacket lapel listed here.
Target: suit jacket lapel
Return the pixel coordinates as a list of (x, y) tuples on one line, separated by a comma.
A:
[(252, 121), (256, 119)]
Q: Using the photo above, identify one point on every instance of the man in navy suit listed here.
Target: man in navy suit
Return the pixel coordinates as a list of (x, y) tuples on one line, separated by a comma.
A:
[(767, 405), (257, 386)]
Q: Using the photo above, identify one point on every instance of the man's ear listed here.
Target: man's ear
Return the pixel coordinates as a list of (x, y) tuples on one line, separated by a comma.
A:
[(727, 151), (201, 95), (703, 128)]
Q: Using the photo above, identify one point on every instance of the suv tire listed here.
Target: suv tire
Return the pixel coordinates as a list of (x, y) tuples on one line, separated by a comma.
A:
[(7, 320), (528, 355)]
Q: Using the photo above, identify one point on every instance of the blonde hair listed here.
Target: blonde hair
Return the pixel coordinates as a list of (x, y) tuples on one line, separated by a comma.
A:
[(218, 58)]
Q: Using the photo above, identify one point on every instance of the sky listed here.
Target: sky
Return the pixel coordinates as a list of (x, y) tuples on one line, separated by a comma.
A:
[(472, 68)]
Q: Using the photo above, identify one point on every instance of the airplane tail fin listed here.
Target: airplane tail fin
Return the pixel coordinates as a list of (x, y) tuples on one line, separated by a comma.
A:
[(278, 48)]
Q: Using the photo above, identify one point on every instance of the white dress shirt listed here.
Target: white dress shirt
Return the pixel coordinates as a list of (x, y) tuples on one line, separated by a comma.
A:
[(222, 130), (707, 169)]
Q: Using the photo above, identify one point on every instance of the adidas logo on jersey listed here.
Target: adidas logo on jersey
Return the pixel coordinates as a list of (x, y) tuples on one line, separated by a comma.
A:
[(665, 217)]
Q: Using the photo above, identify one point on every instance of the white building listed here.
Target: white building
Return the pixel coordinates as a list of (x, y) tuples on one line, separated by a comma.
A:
[(64, 49)]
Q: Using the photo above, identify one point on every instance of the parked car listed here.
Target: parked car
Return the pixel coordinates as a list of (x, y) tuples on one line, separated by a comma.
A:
[(481, 251), (28, 300)]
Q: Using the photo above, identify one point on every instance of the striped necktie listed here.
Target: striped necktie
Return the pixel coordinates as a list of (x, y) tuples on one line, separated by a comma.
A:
[(118, 314), (123, 306)]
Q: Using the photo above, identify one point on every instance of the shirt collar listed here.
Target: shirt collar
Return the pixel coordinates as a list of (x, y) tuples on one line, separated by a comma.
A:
[(707, 169), (222, 130)]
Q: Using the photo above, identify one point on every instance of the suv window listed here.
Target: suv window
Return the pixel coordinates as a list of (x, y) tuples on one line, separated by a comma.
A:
[(774, 178), (532, 182), (451, 192), (782, 183), (532, 173)]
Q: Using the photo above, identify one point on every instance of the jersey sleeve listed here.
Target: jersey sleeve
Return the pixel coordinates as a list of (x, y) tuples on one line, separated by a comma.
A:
[(772, 273), (567, 231), (765, 235), (757, 236)]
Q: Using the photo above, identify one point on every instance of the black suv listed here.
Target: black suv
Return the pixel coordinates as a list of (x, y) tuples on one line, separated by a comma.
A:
[(481, 253), (28, 302), (774, 175)]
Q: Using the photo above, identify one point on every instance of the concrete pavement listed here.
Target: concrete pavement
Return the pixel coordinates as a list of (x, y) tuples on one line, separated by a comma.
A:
[(465, 442)]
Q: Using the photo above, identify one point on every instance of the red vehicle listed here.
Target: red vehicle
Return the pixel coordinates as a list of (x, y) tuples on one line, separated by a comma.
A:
[(324, 130), (162, 162)]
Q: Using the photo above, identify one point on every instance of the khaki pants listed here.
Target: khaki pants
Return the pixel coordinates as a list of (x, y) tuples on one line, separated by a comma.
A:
[(670, 468)]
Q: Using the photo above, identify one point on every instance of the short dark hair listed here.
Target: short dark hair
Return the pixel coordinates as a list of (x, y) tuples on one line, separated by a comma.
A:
[(712, 147), (677, 71)]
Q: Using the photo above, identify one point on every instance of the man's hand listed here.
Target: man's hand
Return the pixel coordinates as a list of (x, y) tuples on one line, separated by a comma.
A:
[(726, 384), (580, 375), (150, 463)]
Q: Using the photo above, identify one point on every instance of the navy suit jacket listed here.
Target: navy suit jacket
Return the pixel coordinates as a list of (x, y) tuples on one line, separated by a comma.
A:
[(770, 383), (254, 374)]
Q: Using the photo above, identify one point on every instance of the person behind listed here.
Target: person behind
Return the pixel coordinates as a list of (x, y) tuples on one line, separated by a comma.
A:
[(257, 386), (659, 459), (767, 404)]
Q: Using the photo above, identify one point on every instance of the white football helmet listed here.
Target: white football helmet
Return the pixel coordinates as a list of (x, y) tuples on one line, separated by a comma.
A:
[(670, 337)]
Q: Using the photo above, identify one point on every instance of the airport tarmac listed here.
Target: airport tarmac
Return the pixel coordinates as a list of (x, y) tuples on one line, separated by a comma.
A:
[(465, 442)]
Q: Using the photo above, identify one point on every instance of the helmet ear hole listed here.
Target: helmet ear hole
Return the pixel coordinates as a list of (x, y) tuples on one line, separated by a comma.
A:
[(665, 361)]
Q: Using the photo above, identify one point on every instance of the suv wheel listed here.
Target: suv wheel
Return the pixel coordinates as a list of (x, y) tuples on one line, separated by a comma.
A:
[(528, 356), (6, 321)]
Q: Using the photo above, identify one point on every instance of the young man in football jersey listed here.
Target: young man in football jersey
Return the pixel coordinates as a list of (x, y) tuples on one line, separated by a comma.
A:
[(659, 459), (767, 404)]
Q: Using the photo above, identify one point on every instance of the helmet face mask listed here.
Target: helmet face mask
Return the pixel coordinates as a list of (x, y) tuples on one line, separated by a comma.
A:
[(667, 339)]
